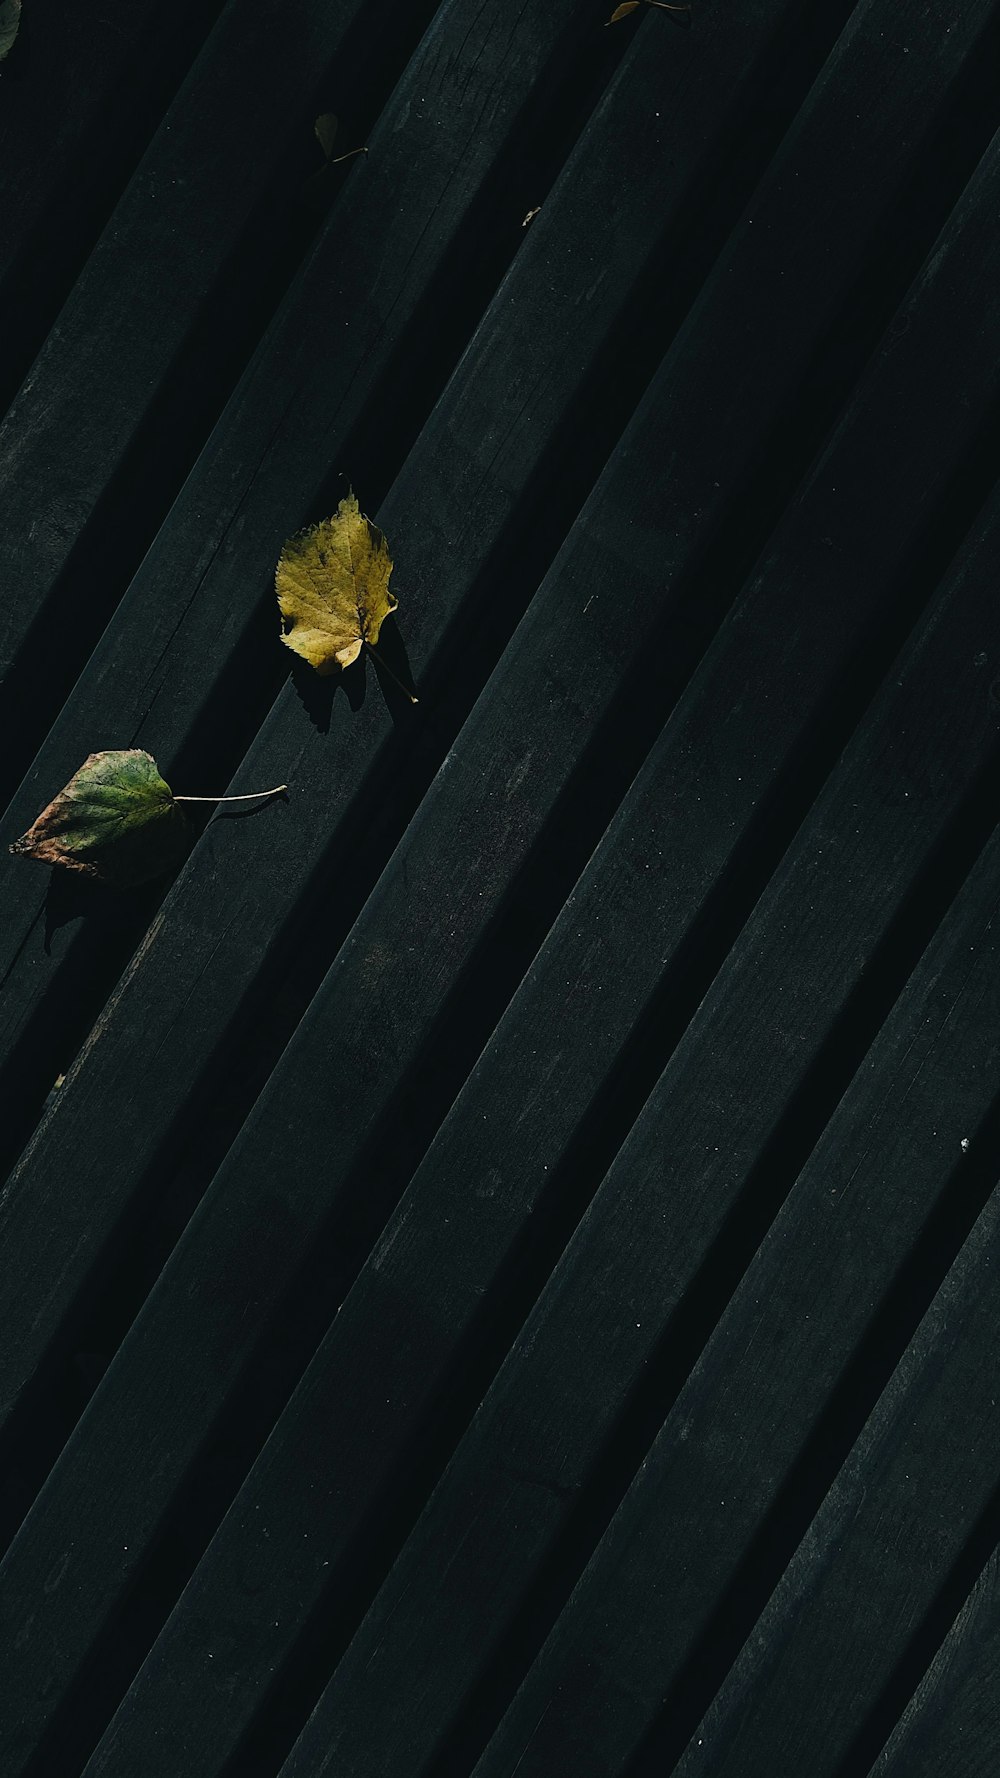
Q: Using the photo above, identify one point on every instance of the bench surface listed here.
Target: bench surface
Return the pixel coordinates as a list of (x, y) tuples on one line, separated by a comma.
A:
[(499, 1245)]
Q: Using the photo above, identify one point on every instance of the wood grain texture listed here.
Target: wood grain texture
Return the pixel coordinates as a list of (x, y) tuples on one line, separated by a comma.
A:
[(393, 1354), (881, 1546), (324, 380), (81, 98), (951, 1724), (492, 1278), (448, 517), (331, 774), (173, 274), (810, 1332), (645, 1247)]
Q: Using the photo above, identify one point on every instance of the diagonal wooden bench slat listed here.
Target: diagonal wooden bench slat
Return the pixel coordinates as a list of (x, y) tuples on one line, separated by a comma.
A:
[(82, 92), (524, 1196), (269, 1185), (187, 244), (813, 1329), (914, 1490), (139, 1062), (162, 676), (393, 1355), (191, 969), (640, 1253), (949, 1728)]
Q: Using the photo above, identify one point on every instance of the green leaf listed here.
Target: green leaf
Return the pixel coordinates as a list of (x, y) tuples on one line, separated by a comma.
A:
[(116, 820), (10, 23), (682, 14)]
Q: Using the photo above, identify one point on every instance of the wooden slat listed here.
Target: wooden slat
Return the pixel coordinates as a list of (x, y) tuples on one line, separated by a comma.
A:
[(524, 1194), (82, 93), (298, 838), (951, 1729), (868, 1570), (394, 1355), (645, 1248), (450, 520), (814, 1328), (185, 678), (491, 504), (315, 1089), (188, 244)]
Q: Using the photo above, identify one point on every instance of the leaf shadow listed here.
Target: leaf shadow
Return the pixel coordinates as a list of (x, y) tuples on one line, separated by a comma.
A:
[(392, 652), (317, 194), (318, 693), (249, 810), (71, 896)]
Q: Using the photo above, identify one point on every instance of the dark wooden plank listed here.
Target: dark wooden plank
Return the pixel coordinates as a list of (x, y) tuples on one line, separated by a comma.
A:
[(188, 244), (951, 1727), (452, 522), (644, 1249), (443, 559), (268, 1185), (186, 681), (496, 496), (223, 1358), (83, 92), (915, 1489), (392, 1357), (813, 1330)]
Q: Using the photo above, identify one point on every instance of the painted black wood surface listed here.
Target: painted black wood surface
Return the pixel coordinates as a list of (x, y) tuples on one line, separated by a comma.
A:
[(498, 1254)]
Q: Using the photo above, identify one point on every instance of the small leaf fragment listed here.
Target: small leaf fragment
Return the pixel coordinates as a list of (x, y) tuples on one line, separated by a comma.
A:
[(326, 132), (333, 588), (531, 215), (326, 128), (10, 24), (682, 14), (115, 820)]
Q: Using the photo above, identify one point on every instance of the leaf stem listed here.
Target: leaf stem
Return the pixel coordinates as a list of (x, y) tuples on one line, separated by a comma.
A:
[(336, 159), (251, 796), (377, 658)]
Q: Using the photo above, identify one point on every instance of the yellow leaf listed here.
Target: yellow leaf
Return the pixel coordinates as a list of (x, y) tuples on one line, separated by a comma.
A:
[(622, 12), (333, 588)]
